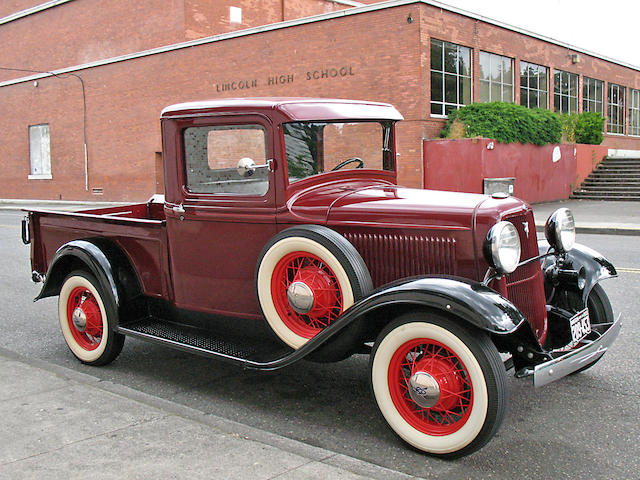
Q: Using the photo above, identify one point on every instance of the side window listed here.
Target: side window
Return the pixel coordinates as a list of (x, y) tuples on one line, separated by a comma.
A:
[(212, 155)]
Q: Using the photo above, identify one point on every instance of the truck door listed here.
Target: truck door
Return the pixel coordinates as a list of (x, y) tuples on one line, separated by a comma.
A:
[(219, 220)]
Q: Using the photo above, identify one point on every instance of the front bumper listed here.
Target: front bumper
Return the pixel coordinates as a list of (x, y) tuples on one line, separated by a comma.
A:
[(574, 360)]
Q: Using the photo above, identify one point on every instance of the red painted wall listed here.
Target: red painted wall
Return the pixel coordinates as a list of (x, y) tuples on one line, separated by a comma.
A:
[(588, 157), (461, 165)]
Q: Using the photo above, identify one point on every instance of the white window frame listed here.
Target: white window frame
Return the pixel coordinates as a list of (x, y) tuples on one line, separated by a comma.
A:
[(444, 103), (558, 92), (493, 57), (592, 102), (634, 108), (529, 88), (39, 152), (620, 107)]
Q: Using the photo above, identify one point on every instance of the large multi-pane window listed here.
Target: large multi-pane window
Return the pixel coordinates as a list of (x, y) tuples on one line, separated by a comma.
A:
[(496, 78), (615, 109), (634, 112), (565, 92), (533, 85), (450, 77), (592, 95)]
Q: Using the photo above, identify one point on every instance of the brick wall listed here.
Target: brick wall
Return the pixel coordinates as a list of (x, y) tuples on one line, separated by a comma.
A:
[(83, 31), (361, 56), (480, 36), (377, 55)]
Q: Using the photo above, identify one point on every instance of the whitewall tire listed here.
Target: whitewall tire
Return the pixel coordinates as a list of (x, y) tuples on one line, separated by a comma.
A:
[(441, 387), (86, 317)]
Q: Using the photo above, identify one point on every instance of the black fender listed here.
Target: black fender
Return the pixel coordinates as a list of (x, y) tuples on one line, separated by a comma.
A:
[(469, 301), (596, 266), (103, 259)]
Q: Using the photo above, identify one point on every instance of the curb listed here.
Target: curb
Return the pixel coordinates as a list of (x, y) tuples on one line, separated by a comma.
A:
[(600, 230), (228, 427)]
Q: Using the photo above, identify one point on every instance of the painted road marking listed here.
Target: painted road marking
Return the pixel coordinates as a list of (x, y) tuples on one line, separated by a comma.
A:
[(628, 270)]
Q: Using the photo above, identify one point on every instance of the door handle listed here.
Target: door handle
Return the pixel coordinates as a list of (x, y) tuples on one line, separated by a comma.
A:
[(178, 209)]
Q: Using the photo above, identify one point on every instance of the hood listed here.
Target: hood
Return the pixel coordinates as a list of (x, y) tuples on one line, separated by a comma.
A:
[(384, 203)]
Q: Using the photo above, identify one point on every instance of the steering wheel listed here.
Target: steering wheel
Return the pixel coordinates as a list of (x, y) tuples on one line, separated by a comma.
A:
[(347, 162)]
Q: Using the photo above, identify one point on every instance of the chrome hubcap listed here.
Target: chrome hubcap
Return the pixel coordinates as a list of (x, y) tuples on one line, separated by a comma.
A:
[(300, 297), (424, 389), (79, 319)]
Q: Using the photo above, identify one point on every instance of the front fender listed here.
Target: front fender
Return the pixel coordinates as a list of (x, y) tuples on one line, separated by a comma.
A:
[(596, 266), (470, 301)]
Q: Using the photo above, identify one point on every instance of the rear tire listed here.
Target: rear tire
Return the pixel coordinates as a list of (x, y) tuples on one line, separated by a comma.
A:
[(88, 317), (454, 372)]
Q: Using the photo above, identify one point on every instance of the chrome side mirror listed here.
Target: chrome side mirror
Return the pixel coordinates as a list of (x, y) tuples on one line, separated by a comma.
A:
[(247, 167)]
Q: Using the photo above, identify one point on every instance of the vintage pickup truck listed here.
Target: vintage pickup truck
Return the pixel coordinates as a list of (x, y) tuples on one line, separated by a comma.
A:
[(287, 210)]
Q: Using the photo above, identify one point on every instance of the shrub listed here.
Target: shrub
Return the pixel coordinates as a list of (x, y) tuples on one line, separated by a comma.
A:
[(588, 128), (506, 123)]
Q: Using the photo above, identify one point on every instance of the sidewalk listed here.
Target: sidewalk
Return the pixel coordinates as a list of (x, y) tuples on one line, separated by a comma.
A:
[(62, 424), (594, 216)]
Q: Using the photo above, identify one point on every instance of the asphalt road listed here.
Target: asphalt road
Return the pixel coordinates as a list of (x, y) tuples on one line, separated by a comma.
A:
[(584, 426)]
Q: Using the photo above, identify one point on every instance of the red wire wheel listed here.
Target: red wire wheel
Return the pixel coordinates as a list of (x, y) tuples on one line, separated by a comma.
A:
[(439, 383), (306, 277), (84, 318), (453, 407), (309, 270), (88, 318)]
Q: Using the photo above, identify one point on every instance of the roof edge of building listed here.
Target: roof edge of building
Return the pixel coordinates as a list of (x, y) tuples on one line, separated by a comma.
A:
[(30, 11), (291, 23)]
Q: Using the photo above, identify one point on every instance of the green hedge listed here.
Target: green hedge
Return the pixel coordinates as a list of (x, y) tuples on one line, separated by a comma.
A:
[(511, 123), (585, 127), (506, 123)]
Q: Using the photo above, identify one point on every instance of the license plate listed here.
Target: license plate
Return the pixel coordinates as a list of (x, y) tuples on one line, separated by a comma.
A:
[(580, 327)]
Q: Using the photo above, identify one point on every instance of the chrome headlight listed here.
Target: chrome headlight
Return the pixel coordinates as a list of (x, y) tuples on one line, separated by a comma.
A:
[(560, 230), (502, 247)]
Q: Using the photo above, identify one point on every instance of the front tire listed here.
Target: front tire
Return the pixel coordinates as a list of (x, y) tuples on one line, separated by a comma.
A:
[(441, 387), (600, 315), (87, 318)]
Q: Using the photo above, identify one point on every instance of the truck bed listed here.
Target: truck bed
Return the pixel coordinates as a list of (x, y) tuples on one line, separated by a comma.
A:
[(137, 229)]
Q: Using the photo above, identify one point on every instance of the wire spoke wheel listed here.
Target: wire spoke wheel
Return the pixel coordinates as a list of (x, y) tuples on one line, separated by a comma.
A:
[(87, 319), (323, 287), (84, 318), (439, 385), (306, 277)]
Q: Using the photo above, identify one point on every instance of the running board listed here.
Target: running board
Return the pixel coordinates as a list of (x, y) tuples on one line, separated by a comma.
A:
[(263, 354)]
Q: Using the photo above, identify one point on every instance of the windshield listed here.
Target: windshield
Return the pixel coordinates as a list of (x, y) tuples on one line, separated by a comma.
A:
[(317, 147)]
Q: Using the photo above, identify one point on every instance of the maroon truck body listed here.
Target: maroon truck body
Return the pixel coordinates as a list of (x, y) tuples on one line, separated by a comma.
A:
[(200, 248)]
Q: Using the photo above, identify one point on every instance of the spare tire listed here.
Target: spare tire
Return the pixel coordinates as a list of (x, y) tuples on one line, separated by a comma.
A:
[(306, 277)]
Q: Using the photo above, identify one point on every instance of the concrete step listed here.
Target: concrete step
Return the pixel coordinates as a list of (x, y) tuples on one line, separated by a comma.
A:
[(610, 168), (588, 196), (612, 189), (613, 182), (622, 174)]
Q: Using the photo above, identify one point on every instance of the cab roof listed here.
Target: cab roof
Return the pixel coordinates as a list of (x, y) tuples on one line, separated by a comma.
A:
[(296, 109)]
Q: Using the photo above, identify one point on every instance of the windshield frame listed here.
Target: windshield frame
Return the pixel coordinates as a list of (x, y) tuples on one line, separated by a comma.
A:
[(388, 168)]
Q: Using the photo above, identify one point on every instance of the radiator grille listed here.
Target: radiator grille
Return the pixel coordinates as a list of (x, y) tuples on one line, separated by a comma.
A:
[(525, 286), (393, 256)]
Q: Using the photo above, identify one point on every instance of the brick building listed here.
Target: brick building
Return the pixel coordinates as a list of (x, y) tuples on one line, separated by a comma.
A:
[(83, 81)]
